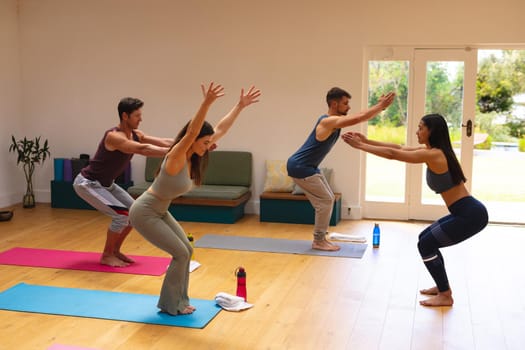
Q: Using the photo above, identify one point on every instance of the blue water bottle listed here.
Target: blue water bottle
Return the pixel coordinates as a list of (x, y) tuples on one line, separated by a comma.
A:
[(376, 236)]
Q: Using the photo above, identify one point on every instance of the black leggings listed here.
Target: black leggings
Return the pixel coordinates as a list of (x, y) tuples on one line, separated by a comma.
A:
[(467, 217)]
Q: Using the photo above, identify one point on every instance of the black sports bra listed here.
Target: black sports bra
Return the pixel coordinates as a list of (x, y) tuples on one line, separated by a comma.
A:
[(439, 182)]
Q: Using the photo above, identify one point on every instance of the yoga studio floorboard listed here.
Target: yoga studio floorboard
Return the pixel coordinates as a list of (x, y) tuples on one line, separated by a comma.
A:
[(300, 301)]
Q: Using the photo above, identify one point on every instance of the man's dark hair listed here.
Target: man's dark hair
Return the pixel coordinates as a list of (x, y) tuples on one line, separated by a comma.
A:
[(128, 105), (335, 94)]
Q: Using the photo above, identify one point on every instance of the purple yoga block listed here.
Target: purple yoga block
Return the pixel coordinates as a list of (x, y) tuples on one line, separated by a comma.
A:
[(127, 174), (68, 170)]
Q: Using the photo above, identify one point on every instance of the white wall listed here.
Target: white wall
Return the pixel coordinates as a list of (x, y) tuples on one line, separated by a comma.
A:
[(11, 178), (80, 57)]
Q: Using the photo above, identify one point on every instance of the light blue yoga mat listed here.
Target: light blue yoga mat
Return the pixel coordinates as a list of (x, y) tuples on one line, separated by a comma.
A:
[(272, 245), (107, 305)]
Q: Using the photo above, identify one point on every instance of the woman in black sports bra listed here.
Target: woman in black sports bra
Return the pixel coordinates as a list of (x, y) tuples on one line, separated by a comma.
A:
[(467, 215)]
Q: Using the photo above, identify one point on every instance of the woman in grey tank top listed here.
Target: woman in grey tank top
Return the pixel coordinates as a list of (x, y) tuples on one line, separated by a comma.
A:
[(181, 168)]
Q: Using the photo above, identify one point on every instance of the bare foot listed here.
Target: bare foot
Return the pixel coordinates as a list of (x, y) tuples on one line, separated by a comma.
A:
[(124, 257), (187, 310), (441, 299), (429, 291), (112, 260), (325, 245)]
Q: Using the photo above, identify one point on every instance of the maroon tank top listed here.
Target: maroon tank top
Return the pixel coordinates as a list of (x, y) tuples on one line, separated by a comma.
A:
[(106, 165)]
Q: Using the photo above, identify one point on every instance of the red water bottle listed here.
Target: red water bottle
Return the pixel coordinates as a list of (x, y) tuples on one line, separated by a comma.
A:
[(241, 283)]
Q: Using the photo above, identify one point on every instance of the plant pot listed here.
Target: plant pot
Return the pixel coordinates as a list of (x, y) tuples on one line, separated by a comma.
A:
[(29, 200)]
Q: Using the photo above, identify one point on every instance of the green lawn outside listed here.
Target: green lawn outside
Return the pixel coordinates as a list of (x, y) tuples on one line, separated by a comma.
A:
[(497, 176)]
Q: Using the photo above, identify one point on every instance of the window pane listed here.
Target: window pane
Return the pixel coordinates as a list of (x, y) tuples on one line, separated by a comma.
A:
[(499, 160), (444, 95), (385, 179)]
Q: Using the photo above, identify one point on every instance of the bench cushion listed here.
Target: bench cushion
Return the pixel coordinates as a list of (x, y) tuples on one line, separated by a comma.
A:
[(277, 179), (152, 165), (289, 196), (229, 168), (138, 189), (228, 176), (204, 191), (224, 168), (217, 192)]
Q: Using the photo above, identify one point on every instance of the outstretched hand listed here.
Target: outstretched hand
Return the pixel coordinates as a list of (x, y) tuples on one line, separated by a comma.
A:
[(354, 139), (212, 92), (251, 97), (386, 100)]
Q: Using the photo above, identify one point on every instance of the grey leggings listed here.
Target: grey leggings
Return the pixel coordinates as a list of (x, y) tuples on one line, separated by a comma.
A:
[(150, 217)]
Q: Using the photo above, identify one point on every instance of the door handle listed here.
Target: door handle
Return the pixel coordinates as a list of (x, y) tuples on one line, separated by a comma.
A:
[(469, 127)]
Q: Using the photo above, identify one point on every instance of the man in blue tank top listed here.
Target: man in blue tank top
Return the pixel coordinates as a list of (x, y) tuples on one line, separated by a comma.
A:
[(95, 183), (303, 165)]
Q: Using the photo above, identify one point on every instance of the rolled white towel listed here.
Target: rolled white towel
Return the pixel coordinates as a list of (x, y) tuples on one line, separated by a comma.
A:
[(228, 300), (231, 302), (347, 237)]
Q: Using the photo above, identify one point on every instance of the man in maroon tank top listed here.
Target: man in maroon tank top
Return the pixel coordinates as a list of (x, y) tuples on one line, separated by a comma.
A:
[(95, 183)]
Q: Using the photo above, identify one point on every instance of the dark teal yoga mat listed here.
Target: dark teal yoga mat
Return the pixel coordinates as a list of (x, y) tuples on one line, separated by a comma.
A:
[(107, 305), (272, 245)]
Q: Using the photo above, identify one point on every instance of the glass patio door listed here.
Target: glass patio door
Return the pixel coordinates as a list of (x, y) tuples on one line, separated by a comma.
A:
[(425, 81), (444, 83), (499, 162)]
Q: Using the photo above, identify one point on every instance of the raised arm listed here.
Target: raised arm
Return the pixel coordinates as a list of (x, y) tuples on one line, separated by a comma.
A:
[(227, 121), (176, 157), (392, 151), (327, 125)]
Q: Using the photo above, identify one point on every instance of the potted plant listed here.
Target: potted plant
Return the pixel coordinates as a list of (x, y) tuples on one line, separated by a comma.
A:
[(30, 152)]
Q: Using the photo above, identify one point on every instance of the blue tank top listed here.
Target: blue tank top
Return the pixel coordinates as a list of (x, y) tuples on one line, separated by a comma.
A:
[(439, 182), (172, 186), (305, 162)]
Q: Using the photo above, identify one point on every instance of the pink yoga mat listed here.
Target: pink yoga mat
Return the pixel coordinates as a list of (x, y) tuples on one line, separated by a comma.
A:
[(66, 347), (87, 261)]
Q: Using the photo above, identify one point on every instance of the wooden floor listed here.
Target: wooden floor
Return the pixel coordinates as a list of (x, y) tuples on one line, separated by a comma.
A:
[(301, 302)]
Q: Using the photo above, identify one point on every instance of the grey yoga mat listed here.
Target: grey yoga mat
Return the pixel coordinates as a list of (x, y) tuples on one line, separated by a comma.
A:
[(272, 245)]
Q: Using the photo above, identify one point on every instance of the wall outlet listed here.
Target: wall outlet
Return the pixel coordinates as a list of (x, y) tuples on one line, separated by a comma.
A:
[(346, 213), (350, 213)]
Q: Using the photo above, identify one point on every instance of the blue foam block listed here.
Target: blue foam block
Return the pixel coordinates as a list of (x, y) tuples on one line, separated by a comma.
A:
[(118, 306), (58, 165)]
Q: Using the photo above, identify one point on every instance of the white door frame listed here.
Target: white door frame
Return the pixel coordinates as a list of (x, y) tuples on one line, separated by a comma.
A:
[(417, 57)]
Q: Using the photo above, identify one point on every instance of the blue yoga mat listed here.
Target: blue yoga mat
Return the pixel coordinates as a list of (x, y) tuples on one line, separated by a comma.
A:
[(107, 305)]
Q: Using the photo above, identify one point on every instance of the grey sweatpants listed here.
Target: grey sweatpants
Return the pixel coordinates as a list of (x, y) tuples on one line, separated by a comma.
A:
[(113, 201), (151, 218), (322, 198)]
